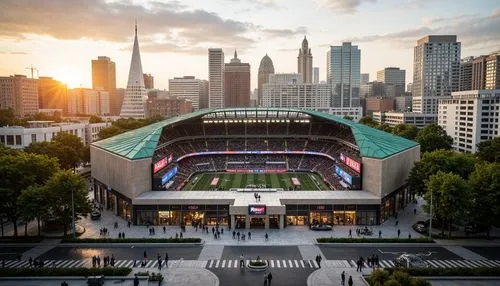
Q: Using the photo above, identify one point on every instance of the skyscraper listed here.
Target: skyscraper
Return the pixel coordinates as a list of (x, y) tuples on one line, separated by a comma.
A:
[(19, 93), (237, 83), (187, 87), (215, 78), (315, 75), (465, 81), (394, 76), (365, 78), (149, 81), (135, 95), (436, 71), (305, 61), (52, 94), (266, 68), (104, 78), (343, 73)]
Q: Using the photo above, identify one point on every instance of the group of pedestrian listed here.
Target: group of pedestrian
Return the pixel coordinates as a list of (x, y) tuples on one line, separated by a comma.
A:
[(177, 235), (372, 262), (37, 262), (103, 231), (121, 235), (257, 197), (151, 230), (96, 261), (342, 279), (318, 260), (267, 279)]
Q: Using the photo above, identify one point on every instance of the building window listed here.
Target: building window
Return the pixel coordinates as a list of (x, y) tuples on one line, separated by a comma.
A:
[(33, 138), (10, 139), (18, 140)]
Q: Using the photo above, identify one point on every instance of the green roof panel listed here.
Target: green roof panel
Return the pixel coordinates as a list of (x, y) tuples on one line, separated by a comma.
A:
[(141, 143)]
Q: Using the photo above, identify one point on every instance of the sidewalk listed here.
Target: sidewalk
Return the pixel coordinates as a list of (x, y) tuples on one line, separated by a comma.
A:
[(331, 277)]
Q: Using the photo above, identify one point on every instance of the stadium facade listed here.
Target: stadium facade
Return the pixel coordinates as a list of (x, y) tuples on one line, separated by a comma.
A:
[(145, 175)]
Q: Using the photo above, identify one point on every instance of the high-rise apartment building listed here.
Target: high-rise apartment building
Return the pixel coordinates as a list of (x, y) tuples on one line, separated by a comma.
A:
[(305, 61), (204, 95), (166, 106), (237, 83), (364, 78), (149, 81), (104, 78), (135, 94), (376, 89), (296, 95), (394, 76), (478, 80), (52, 94), (187, 87), (266, 68), (493, 71), (19, 93), (215, 78), (88, 101), (436, 71), (343, 73), (470, 117), (315, 75), (465, 81)]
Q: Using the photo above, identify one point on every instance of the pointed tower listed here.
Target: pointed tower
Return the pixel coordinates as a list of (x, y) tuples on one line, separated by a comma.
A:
[(304, 62), (135, 95)]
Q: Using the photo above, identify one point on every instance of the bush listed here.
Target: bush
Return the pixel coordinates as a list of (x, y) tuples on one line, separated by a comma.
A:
[(25, 272), (379, 276), (133, 240), (481, 271), (257, 263), (373, 240)]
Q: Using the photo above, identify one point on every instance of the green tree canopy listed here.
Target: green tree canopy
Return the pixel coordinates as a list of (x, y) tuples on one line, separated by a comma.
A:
[(450, 197), (485, 189), (110, 131), (489, 150), (33, 203), (433, 137), (60, 188), (368, 120), (95, 119), (407, 131), (67, 148)]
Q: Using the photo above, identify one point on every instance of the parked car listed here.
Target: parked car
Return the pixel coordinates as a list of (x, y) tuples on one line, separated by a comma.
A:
[(95, 215), (321, 227), (410, 261), (421, 227)]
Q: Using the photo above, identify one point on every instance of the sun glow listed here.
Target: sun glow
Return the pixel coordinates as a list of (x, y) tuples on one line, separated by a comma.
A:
[(71, 79)]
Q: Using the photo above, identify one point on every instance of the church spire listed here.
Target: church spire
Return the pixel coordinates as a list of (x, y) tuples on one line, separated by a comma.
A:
[(135, 27), (235, 54)]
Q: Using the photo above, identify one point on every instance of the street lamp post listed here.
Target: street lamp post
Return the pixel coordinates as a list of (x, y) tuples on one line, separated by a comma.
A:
[(73, 213), (430, 221)]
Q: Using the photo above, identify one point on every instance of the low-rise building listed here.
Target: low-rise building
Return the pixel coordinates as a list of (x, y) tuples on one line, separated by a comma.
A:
[(420, 120), (378, 104), (470, 117)]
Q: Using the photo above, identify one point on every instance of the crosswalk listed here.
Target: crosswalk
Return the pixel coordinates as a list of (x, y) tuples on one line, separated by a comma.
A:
[(88, 263), (442, 263), (273, 263)]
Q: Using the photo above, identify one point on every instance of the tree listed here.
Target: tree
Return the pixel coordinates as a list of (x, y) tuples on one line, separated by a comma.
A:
[(407, 131), (86, 154), (368, 120), (60, 188), (33, 203), (450, 197), (95, 119), (485, 189), (347, 117), (17, 173), (433, 137), (489, 151), (67, 148), (385, 127), (439, 160), (110, 131)]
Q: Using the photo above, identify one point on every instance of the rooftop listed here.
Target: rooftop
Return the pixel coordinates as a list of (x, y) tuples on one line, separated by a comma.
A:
[(141, 143)]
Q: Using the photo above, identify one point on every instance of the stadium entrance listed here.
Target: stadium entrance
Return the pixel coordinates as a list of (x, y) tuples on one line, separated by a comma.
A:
[(257, 222)]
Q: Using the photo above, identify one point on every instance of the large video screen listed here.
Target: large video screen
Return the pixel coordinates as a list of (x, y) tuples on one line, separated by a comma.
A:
[(168, 175), (163, 163), (343, 174), (256, 209), (350, 162)]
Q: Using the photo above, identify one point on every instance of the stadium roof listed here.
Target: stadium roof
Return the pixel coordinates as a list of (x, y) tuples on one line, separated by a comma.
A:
[(141, 143)]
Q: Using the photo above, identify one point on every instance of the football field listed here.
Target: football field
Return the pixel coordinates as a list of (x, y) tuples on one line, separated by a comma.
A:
[(226, 181)]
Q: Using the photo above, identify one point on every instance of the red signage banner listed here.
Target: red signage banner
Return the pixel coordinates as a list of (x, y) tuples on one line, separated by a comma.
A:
[(350, 162), (163, 163)]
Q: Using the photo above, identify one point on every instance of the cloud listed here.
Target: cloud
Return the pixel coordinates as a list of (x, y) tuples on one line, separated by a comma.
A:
[(259, 3), (273, 33), (496, 12), (19, 53), (476, 31), (344, 6)]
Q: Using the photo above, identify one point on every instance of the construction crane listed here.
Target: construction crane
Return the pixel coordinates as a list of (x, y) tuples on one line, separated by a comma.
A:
[(32, 69)]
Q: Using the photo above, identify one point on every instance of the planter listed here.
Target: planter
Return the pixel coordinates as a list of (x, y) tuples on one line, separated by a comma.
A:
[(257, 265)]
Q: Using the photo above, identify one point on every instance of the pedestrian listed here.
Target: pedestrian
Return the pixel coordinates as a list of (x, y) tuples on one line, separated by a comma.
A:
[(358, 265), (265, 279), (164, 229), (379, 234), (266, 236), (222, 230), (350, 281), (409, 236), (145, 255), (269, 276), (213, 230), (176, 235), (342, 278), (350, 233), (399, 232), (159, 263), (234, 234), (136, 280), (414, 211), (123, 234), (64, 283), (376, 260), (128, 224), (238, 234), (242, 261), (249, 235), (98, 261), (181, 235)]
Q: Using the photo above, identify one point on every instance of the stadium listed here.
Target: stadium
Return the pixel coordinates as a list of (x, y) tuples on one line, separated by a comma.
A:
[(307, 167)]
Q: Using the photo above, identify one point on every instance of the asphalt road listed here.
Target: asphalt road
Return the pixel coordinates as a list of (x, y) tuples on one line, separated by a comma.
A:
[(487, 252), (265, 252), (244, 277), (432, 252), (12, 252), (125, 252)]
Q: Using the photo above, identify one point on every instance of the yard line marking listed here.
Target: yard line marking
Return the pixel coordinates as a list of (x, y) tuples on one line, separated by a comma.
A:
[(284, 264), (217, 263), (302, 263), (223, 263), (211, 262), (296, 264)]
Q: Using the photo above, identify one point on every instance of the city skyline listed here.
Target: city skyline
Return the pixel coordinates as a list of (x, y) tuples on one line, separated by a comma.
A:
[(175, 36)]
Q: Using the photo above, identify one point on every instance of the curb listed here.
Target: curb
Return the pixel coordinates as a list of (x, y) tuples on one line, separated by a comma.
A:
[(72, 278), (113, 244), (370, 244)]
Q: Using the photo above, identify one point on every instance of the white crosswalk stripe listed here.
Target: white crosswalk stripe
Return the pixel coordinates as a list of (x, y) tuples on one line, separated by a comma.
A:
[(448, 263), (273, 263)]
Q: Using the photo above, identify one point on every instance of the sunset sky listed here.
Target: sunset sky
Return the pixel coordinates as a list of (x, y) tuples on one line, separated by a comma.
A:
[(61, 37)]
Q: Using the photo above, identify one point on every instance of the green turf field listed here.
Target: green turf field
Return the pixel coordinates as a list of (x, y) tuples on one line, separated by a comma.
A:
[(227, 181)]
